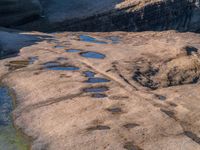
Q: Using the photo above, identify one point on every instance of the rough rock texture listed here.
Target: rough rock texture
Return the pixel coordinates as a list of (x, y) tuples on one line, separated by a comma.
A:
[(55, 107), (18, 12), (61, 10), (137, 15), (112, 15), (155, 73), (104, 15)]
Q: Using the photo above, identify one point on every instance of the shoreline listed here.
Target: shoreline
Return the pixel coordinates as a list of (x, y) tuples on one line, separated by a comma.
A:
[(23, 139)]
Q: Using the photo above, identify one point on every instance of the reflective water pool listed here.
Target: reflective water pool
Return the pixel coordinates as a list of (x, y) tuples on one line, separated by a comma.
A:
[(73, 50), (93, 55), (96, 89), (97, 80), (64, 68), (86, 38), (89, 74), (10, 139), (51, 64)]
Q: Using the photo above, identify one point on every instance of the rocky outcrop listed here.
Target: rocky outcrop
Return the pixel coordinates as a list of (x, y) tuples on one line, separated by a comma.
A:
[(112, 15), (181, 15), (182, 69), (18, 12), (104, 15)]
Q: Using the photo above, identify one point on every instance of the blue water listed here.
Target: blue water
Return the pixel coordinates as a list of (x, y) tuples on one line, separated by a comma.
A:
[(86, 38), (89, 74), (93, 55), (57, 67), (5, 107), (51, 64), (96, 89), (9, 138), (73, 50), (63, 68), (97, 80)]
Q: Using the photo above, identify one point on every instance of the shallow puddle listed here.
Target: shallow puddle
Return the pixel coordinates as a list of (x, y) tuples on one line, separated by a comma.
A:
[(89, 74), (57, 67), (5, 106), (10, 139), (97, 80), (94, 55), (86, 38), (51, 64), (96, 89), (73, 50), (63, 68)]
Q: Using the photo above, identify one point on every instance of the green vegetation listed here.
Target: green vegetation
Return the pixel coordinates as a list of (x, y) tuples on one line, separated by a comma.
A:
[(10, 139)]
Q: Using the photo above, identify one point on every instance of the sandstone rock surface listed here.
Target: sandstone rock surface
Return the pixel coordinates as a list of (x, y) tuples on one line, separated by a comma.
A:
[(61, 109), (103, 90)]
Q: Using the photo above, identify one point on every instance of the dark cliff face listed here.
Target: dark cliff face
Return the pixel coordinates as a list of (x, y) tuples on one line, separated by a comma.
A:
[(182, 15), (18, 12)]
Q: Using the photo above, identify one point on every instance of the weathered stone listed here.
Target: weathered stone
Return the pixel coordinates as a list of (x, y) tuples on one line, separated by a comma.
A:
[(112, 15), (57, 113), (182, 15)]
